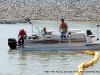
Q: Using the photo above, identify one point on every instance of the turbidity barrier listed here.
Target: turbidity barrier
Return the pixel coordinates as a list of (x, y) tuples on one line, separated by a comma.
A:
[(87, 63)]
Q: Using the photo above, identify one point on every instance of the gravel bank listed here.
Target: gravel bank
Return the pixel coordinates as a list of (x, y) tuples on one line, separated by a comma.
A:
[(80, 10)]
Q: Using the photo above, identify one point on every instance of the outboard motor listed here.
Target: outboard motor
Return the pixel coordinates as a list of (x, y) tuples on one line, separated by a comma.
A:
[(12, 43)]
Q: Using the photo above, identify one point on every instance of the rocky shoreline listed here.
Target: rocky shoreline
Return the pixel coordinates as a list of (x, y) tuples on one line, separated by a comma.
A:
[(78, 10)]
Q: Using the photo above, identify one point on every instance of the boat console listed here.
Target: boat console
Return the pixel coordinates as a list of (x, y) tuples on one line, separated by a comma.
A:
[(77, 35)]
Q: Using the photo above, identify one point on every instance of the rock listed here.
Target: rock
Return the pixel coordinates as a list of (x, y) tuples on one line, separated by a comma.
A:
[(80, 10)]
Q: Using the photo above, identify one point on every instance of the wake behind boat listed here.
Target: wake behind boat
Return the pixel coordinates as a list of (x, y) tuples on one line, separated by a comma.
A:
[(76, 40)]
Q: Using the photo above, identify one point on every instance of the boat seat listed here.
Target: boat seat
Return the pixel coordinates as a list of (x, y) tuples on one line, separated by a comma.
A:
[(90, 35), (34, 36)]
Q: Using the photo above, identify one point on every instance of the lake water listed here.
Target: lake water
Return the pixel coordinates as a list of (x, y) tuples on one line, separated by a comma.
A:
[(13, 62)]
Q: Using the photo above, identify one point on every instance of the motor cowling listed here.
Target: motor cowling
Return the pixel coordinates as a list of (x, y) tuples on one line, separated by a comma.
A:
[(12, 43)]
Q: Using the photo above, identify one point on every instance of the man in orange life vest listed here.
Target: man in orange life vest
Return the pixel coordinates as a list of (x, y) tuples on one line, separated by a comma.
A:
[(21, 36), (63, 28)]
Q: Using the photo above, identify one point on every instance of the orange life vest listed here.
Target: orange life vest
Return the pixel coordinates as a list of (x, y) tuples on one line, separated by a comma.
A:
[(63, 26), (22, 32)]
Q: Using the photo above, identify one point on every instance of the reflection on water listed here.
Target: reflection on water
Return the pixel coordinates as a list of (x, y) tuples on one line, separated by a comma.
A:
[(15, 62), (43, 61)]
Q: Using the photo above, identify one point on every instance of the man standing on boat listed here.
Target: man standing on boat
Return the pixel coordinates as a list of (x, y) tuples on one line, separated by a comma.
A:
[(63, 28)]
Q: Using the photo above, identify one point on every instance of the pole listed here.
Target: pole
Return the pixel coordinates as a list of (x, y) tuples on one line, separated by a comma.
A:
[(98, 32), (32, 29), (29, 21)]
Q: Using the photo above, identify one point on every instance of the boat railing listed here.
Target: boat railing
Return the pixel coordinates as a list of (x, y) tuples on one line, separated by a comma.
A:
[(59, 36), (56, 35)]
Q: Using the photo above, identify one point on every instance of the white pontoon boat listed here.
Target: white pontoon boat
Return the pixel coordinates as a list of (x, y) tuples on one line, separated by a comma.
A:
[(76, 40)]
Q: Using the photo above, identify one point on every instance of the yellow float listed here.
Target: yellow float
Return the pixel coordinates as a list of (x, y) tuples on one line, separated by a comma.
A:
[(87, 63)]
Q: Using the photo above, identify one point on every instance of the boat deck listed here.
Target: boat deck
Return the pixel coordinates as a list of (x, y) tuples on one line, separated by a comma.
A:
[(72, 46)]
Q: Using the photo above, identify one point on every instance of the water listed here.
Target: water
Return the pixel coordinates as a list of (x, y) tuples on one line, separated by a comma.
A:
[(13, 62)]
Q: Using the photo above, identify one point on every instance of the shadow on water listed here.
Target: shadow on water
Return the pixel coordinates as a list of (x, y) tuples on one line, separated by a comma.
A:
[(43, 53), (49, 55)]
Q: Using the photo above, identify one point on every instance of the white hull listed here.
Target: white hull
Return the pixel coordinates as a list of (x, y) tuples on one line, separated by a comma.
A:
[(59, 47), (55, 45), (77, 40)]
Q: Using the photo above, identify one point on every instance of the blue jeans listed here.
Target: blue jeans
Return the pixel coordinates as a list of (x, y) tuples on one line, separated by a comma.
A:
[(63, 34)]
